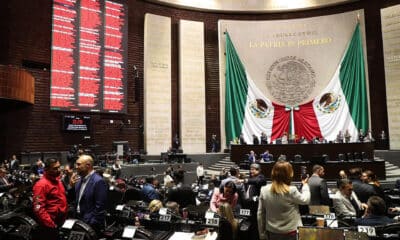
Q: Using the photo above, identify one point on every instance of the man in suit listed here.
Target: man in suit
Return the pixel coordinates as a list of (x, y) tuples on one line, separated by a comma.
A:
[(345, 201), (363, 190), (318, 187), (254, 184), (90, 193), (252, 157), (14, 164), (375, 214)]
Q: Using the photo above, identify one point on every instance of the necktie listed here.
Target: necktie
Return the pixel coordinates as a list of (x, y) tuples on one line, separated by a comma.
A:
[(82, 188), (355, 205)]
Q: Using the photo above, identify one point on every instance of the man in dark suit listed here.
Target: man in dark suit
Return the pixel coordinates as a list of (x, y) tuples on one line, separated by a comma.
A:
[(318, 187), (363, 190), (14, 163), (90, 193), (254, 184)]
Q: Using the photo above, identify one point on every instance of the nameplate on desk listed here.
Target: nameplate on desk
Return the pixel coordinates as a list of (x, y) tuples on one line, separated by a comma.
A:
[(119, 207), (212, 222), (69, 223), (370, 231), (209, 214), (129, 232), (165, 218), (163, 211), (330, 216), (245, 212)]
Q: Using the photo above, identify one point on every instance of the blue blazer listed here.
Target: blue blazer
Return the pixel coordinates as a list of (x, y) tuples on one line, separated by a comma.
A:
[(93, 201)]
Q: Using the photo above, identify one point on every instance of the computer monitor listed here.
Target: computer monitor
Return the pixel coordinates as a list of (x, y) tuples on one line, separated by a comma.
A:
[(318, 233)]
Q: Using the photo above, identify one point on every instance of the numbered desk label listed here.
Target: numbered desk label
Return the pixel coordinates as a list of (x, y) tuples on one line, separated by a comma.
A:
[(209, 214), (129, 232), (330, 216), (212, 222), (370, 231), (119, 207), (165, 218), (245, 212), (69, 223)]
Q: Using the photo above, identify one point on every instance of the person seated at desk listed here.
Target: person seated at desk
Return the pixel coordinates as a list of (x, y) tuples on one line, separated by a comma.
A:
[(149, 191), (303, 140), (266, 156), (38, 168), (375, 213), (345, 201), (252, 157), (5, 184)]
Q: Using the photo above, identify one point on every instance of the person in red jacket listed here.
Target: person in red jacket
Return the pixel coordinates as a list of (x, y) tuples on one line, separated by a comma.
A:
[(49, 202)]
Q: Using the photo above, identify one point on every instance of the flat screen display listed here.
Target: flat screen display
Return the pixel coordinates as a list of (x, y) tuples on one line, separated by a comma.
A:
[(76, 123), (89, 56)]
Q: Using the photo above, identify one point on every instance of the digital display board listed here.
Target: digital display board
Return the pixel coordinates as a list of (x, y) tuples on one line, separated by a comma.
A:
[(76, 123), (89, 56)]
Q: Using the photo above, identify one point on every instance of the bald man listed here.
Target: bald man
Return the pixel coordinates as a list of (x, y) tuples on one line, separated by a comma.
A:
[(90, 193)]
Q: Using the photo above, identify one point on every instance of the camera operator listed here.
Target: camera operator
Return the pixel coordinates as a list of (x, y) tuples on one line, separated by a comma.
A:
[(49, 201)]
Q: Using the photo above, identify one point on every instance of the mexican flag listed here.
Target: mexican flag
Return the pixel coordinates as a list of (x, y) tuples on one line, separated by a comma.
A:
[(247, 110), (341, 106)]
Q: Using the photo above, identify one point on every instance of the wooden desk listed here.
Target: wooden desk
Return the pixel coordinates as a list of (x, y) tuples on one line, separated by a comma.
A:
[(307, 151), (331, 168)]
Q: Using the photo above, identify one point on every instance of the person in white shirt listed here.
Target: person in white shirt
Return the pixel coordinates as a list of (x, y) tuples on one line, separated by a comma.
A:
[(200, 173)]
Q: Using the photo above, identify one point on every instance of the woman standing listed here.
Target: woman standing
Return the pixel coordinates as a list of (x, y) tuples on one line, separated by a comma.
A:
[(278, 211)]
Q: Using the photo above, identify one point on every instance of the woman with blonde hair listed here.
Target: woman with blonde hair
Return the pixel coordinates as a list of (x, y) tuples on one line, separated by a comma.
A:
[(229, 228), (278, 211)]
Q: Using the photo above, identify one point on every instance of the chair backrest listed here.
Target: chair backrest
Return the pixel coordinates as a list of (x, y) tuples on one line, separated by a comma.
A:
[(341, 157), (114, 198), (350, 156), (298, 158), (132, 193)]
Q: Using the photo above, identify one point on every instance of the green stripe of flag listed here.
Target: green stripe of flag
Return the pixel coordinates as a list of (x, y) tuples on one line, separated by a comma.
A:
[(352, 79), (235, 92)]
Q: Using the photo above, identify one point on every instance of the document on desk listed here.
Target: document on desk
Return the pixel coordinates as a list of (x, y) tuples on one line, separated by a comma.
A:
[(181, 236), (190, 236)]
